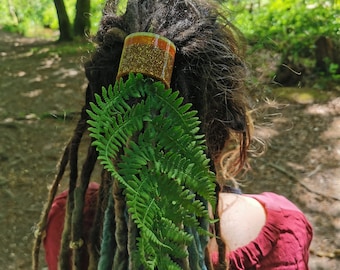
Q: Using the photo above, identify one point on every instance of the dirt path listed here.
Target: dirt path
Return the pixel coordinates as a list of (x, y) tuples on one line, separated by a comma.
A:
[(40, 92)]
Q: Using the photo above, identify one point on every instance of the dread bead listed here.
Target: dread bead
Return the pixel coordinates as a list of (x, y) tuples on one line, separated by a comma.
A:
[(38, 233), (76, 244), (149, 54)]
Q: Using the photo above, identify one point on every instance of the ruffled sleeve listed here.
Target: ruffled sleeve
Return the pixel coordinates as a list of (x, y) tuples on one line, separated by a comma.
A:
[(251, 255), (283, 242)]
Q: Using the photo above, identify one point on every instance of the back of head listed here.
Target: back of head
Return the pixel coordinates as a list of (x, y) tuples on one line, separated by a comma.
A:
[(209, 69), (209, 72)]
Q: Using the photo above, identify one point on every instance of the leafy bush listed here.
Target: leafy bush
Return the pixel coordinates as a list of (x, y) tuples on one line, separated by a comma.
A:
[(27, 17), (287, 25)]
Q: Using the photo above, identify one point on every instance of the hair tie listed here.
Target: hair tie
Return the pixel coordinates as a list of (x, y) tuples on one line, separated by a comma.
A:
[(150, 54)]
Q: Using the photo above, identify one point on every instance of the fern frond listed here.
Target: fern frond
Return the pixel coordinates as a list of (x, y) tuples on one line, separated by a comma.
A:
[(155, 151)]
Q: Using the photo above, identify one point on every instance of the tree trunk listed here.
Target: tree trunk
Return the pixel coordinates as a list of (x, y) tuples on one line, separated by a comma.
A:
[(64, 22), (82, 19), (11, 10)]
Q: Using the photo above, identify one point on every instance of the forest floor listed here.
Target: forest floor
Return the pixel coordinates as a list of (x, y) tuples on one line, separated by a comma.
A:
[(41, 94)]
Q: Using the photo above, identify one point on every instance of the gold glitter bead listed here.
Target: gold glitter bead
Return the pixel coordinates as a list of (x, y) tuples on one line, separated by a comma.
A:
[(149, 54)]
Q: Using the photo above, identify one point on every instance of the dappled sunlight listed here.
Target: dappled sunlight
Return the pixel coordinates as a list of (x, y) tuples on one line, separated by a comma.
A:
[(42, 93), (320, 188), (19, 74), (271, 122), (333, 132), (38, 78), (265, 133), (326, 183), (327, 149), (65, 73), (330, 108), (33, 93), (302, 162), (324, 153), (61, 85), (50, 62), (337, 150)]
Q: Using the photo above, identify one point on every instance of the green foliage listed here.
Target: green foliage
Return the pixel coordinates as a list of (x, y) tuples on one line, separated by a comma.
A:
[(24, 16), (121, 7), (96, 13), (31, 17), (155, 152), (333, 71), (287, 26)]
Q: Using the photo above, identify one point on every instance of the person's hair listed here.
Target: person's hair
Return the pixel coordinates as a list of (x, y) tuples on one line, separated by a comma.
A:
[(209, 72)]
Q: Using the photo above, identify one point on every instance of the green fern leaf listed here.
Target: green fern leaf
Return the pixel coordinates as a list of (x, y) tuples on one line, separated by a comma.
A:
[(159, 160)]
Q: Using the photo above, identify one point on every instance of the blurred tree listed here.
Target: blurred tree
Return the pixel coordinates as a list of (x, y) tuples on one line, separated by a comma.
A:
[(12, 12), (82, 20), (64, 22)]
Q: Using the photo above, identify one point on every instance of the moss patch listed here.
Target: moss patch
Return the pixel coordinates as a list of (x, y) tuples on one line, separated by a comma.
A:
[(302, 95)]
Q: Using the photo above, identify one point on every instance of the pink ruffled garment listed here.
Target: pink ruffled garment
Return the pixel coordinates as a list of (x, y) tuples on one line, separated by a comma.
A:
[(282, 244), (55, 225)]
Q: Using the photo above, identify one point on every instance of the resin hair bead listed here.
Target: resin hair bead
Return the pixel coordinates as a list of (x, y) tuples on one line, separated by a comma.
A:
[(149, 54)]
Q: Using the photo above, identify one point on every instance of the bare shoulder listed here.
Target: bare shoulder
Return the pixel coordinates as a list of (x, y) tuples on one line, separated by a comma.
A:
[(241, 219)]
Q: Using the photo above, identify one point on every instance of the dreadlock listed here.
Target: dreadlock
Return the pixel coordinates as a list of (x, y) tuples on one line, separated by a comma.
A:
[(209, 73)]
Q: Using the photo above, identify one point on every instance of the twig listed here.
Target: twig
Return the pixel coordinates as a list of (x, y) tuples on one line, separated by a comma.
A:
[(294, 178), (60, 116), (331, 255), (57, 116)]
